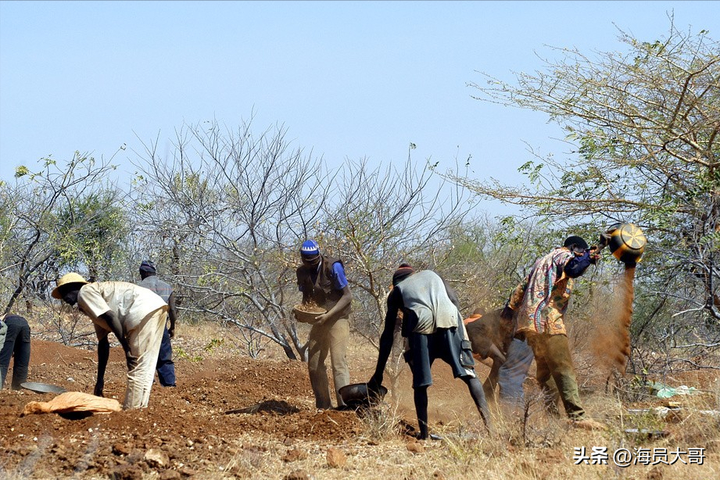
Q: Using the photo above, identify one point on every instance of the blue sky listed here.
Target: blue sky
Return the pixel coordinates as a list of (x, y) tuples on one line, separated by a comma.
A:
[(347, 79)]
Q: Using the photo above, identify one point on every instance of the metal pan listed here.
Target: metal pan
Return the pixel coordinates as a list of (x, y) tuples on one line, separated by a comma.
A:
[(42, 387), (357, 395)]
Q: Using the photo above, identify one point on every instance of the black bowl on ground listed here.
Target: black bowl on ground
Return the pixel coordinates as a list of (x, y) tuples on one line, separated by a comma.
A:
[(356, 395)]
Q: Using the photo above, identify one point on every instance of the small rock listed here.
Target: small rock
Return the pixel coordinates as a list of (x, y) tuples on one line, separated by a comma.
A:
[(336, 458), (127, 472), (135, 456), (156, 458), (121, 449), (170, 475), (294, 455), (298, 475), (188, 472), (415, 447)]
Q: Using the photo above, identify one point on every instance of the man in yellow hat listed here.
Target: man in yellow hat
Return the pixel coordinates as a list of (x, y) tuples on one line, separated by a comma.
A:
[(134, 314)]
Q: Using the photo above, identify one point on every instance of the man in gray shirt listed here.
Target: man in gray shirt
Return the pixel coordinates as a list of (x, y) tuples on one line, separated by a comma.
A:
[(434, 328), (165, 365)]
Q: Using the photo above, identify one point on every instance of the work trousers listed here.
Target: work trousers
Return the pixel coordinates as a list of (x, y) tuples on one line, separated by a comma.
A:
[(513, 372), (165, 365), (330, 337), (144, 341), (552, 356), (17, 345)]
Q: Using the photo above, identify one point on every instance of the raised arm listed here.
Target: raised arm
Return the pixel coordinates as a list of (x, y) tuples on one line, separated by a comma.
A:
[(172, 314)]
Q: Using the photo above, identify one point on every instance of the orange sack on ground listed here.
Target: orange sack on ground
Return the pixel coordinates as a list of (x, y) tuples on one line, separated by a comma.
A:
[(72, 402)]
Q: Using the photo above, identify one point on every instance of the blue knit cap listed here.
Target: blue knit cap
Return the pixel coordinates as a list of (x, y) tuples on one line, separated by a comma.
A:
[(309, 248)]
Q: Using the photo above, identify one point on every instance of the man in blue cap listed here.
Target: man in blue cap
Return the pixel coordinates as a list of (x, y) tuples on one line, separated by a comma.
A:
[(165, 365), (322, 280)]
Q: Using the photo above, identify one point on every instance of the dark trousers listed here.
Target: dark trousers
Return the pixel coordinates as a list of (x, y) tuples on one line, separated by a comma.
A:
[(165, 365), (17, 344), (513, 372)]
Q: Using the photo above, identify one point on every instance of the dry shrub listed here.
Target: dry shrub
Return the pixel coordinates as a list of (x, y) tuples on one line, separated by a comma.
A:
[(382, 422), (697, 423), (539, 428)]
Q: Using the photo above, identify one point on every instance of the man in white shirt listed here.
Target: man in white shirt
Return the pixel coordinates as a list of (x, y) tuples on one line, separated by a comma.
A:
[(134, 314)]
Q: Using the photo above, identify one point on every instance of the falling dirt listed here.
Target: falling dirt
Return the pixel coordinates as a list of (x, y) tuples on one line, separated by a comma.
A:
[(612, 342)]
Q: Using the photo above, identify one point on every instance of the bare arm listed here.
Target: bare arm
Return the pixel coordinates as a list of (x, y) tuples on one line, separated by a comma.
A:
[(119, 330), (339, 306), (386, 340), (116, 327)]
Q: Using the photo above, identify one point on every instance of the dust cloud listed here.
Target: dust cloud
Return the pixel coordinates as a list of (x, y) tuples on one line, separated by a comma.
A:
[(611, 345)]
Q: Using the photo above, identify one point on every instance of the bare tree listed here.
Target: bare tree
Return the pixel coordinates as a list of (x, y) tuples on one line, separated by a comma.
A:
[(381, 216), (227, 211), (31, 233)]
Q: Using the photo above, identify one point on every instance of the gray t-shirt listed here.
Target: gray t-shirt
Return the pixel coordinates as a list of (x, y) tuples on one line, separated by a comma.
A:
[(424, 293)]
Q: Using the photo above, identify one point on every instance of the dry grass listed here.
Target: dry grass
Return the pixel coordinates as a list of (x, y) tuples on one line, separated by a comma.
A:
[(546, 450), (530, 445)]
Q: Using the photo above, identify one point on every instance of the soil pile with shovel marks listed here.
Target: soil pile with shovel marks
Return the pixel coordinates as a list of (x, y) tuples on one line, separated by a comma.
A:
[(188, 429)]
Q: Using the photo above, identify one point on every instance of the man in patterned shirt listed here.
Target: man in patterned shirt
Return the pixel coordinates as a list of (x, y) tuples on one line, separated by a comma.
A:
[(538, 305)]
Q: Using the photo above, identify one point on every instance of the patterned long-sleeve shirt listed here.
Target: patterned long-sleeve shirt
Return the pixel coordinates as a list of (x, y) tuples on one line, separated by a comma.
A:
[(541, 299)]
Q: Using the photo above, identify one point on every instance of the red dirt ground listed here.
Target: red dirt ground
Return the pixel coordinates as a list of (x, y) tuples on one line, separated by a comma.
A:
[(191, 424), (226, 406)]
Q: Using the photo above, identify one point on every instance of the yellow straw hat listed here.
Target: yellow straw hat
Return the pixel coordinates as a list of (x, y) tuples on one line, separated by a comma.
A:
[(66, 279)]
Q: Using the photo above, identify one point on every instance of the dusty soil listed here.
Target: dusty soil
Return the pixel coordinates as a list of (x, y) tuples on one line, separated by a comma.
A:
[(193, 424), (307, 312), (232, 416)]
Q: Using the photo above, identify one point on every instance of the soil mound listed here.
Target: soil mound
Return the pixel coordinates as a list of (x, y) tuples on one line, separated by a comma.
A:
[(216, 400)]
